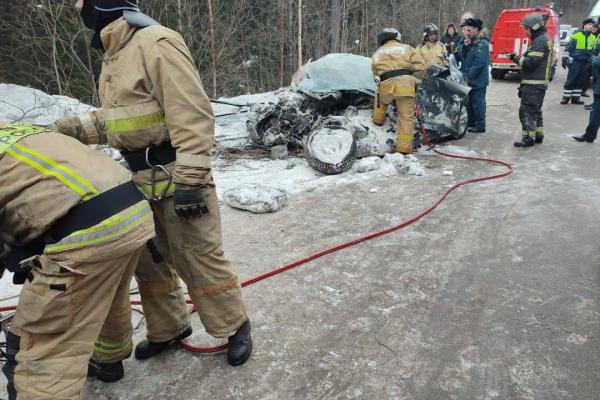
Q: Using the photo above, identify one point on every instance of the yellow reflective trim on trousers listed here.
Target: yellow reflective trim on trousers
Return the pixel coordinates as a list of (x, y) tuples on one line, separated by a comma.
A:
[(46, 166), (146, 188), (104, 347), (135, 123), (107, 229), (535, 54)]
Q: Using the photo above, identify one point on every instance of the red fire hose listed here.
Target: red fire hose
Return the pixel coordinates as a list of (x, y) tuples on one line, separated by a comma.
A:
[(297, 263)]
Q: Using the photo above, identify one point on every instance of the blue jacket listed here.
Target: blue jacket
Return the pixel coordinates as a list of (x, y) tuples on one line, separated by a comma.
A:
[(475, 62), (596, 72)]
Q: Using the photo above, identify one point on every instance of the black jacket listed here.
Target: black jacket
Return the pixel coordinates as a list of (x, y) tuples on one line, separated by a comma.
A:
[(447, 38), (537, 61)]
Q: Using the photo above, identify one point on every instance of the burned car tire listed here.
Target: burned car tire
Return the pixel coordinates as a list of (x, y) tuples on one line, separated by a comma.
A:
[(330, 150)]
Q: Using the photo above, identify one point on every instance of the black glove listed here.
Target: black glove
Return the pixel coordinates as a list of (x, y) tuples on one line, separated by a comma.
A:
[(189, 202), (512, 57)]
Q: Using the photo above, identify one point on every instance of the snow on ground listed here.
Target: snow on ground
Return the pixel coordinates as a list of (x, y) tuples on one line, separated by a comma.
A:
[(23, 104), (293, 175)]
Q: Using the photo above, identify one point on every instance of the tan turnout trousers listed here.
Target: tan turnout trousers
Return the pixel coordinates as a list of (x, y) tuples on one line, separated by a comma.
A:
[(191, 250), (405, 107), (58, 328)]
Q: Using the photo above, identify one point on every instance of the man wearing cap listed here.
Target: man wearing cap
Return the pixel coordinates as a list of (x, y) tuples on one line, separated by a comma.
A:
[(535, 65), (577, 56), (475, 67), (155, 111)]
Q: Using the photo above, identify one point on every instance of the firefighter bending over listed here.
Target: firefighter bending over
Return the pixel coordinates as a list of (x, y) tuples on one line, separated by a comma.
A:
[(397, 69), (76, 214)]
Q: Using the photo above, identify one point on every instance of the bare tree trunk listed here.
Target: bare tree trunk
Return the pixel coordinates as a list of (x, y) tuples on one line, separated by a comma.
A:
[(213, 56), (336, 15), (281, 40), (299, 34), (179, 26)]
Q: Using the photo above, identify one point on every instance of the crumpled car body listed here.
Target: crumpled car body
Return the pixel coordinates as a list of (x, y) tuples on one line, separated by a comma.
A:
[(442, 98)]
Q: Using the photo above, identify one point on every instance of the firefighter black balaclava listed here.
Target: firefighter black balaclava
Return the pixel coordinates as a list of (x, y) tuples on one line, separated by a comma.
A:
[(96, 20), (97, 14)]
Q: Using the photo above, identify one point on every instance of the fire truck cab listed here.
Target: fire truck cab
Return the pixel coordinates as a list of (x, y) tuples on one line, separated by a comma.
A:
[(509, 37)]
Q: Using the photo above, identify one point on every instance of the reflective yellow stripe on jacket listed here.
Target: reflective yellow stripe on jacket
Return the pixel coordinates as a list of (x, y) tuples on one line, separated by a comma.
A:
[(135, 123), (108, 229), (49, 167)]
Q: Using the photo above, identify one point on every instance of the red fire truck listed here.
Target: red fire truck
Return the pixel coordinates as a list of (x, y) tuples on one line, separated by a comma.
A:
[(509, 37)]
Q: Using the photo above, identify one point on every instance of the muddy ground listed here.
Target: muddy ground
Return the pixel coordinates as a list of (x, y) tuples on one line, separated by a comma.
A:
[(495, 295)]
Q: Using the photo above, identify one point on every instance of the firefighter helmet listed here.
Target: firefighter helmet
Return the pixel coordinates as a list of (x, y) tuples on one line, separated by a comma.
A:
[(388, 34), (429, 28), (533, 21)]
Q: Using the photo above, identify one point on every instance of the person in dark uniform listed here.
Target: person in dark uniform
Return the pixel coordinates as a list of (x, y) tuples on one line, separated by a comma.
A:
[(535, 72), (577, 56), (591, 132), (588, 74)]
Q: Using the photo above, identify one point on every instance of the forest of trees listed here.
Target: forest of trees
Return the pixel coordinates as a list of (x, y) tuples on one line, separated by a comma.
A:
[(240, 46)]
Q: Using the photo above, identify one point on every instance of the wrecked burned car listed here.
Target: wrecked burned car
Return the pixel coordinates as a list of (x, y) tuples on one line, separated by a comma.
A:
[(327, 112)]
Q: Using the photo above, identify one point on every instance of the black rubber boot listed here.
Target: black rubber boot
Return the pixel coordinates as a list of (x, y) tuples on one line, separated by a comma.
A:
[(565, 100), (582, 138), (13, 345), (477, 129), (539, 138), (525, 141), (106, 372), (577, 100), (148, 349), (240, 346)]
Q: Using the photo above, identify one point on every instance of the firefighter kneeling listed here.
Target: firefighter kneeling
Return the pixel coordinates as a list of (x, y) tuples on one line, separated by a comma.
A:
[(535, 71), (76, 215), (397, 69)]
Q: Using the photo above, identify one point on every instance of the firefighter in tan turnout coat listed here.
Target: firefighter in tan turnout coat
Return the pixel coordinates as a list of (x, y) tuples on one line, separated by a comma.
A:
[(397, 69), (77, 213), (155, 111)]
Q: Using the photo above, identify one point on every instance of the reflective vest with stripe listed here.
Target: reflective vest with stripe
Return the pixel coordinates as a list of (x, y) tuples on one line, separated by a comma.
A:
[(12, 133), (581, 46)]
